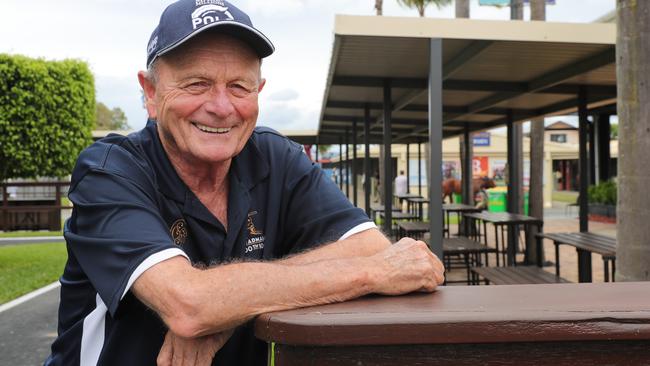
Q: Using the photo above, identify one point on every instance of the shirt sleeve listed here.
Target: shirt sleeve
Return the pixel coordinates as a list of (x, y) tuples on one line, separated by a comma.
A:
[(317, 211), (116, 232)]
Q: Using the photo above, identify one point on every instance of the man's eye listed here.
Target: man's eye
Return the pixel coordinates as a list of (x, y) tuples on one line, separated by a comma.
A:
[(198, 85)]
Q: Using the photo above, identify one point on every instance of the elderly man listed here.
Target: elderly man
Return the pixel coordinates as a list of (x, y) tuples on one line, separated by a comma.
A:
[(176, 227)]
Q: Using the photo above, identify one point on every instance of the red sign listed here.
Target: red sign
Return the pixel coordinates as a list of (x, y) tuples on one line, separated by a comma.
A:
[(480, 166)]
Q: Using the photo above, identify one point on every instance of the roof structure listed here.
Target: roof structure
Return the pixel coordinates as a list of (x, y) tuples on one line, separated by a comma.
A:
[(491, 70)]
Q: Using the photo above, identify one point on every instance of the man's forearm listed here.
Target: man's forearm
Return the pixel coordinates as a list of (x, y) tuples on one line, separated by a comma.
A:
[(363, 244), (213, 300)]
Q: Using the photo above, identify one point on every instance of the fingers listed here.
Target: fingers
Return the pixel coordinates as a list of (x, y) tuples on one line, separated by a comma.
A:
[(165, 354)]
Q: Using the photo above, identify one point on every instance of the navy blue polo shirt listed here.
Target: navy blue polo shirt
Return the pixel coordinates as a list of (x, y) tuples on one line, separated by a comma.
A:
[(132, 211)]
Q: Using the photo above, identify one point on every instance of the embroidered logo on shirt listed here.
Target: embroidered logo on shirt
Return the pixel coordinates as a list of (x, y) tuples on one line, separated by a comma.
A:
[(179, 232), (256, 237)]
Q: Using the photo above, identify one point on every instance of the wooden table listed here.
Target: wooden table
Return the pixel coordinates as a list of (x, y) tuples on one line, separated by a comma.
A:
[(559, 324), (459, 209), (375, 209), (396, 217), (412, 229), (504, 220), (585, 244), (417, 202)]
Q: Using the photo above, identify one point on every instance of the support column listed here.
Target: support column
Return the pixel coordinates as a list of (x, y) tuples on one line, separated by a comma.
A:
[(347, 162), (366, 159), (387, 184), (420, 168), (513, 186), (435, 142), (316, 147), (592, 150), (408, 168), (583, 163), (467, 191), (354, 163), (340, 177), (603, 131)]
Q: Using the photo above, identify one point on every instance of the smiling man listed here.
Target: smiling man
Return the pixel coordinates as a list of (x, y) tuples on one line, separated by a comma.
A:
[(184, 231)]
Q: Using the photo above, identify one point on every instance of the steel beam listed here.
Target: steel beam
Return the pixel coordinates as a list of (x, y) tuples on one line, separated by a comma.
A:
[(435, 142), (513, 188), (387, 184), (347, 162), (582, 162), (366, 160), (354, 164)]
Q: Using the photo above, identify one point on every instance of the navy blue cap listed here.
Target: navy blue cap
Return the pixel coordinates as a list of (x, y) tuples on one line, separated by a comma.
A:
[(185, 19)]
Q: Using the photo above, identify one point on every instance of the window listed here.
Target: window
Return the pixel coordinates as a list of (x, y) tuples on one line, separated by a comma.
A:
[(558, 137)]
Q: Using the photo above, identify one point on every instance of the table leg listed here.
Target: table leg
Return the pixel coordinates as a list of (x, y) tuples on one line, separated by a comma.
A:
[(614, 270), (584, 265), (557, 258), (606, 267), (496, 239), (512, 245)]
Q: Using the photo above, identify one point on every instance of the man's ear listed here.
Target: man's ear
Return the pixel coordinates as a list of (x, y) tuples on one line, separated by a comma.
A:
[(149, 90), (261, 86)]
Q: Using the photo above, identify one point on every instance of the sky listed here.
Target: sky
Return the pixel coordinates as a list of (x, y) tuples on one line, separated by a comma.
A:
[(111, 35)]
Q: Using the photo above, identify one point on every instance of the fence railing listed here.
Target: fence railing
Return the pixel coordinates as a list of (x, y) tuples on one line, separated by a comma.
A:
[(32, 205)]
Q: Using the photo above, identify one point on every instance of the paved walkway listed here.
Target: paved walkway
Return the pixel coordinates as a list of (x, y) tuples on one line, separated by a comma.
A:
[(28, 330), (31, 240)]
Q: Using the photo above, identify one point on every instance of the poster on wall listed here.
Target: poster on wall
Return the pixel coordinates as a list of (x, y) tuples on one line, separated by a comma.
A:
[(480, 166), (450, 169), (498, 170)]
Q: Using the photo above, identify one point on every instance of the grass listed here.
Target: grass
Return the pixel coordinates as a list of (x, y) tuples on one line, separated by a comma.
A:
[(27, 267), (20, 234), (565, 196)]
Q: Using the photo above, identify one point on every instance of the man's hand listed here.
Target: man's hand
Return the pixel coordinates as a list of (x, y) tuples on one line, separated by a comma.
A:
[(407, 266), (179, 351)]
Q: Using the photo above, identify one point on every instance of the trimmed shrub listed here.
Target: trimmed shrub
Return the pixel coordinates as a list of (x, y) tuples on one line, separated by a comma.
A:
[(604, 193), (47, 110)]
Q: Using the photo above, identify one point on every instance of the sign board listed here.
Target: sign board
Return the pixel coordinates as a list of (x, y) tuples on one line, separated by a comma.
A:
[(507, 2), (481, 139), (480, 166)]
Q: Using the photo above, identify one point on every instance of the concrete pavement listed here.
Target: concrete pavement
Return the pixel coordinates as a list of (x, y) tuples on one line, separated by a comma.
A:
[(28, 329)]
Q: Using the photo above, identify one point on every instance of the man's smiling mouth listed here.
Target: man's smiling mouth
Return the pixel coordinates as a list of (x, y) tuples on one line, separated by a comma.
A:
[(207, 129)]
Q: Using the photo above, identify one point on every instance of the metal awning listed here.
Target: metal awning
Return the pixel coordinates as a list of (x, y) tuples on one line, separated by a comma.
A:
[(490, 69)]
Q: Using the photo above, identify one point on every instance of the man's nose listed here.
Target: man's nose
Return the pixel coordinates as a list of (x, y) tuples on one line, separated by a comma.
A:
[(219, 104)]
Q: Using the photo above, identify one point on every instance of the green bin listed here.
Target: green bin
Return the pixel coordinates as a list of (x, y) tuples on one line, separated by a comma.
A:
[(497, 201), (458, 198)]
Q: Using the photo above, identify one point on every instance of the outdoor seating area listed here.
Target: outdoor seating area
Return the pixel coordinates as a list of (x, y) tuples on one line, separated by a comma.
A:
[(440, 91)]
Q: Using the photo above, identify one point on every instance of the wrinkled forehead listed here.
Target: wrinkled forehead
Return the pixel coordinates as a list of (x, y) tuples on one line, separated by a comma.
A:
[(209, 44)]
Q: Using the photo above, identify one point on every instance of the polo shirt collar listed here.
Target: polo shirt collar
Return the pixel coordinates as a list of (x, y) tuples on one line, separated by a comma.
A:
[(248, 169)]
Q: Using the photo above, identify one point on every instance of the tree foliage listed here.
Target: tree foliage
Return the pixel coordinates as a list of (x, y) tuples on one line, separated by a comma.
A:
[(47, 109), (421, 5), (110, 119)]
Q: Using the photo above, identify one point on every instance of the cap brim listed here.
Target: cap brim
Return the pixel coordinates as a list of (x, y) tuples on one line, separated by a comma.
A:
[(251, 36)]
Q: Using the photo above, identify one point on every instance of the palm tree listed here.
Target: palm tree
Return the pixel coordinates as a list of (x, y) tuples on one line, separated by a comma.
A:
[(379, 6), (422, 4)]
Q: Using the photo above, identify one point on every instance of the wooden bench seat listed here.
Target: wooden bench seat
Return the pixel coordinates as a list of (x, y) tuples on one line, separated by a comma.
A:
[(522, 275), (585, 244)]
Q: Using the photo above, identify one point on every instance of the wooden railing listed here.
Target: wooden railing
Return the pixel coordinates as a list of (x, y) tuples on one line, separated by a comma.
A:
[(29, 211)]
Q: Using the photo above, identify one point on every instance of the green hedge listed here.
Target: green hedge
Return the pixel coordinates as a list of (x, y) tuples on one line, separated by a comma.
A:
[(604, 193), (47, 110)]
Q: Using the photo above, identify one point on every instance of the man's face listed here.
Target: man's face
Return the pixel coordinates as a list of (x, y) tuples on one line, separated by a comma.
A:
[(205, 99)]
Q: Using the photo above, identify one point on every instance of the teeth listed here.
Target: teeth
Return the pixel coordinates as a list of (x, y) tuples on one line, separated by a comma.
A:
[(212, 129)]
